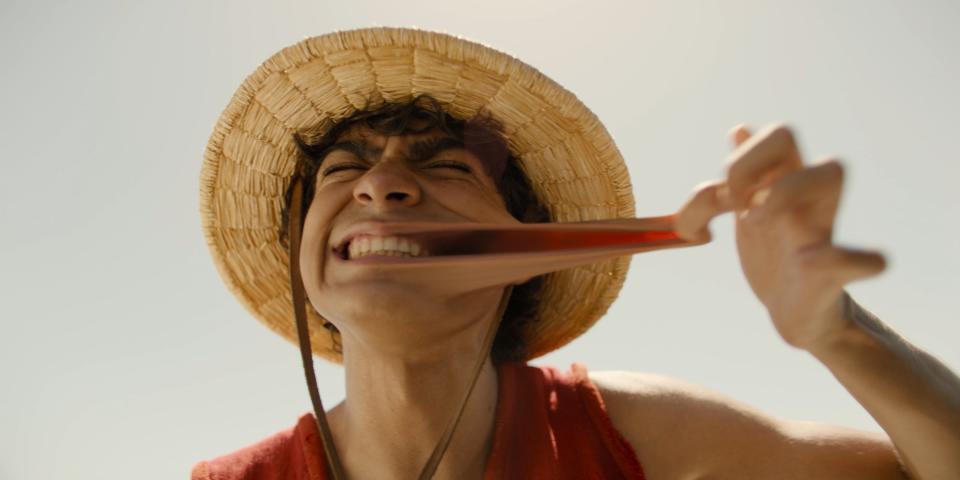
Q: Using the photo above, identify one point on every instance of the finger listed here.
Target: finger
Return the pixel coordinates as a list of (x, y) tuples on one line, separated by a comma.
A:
[(842, 265), (708, 201), (820, 184), (739, 134), (759, 161)]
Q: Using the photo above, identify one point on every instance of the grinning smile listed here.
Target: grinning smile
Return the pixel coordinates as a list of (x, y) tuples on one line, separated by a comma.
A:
[(390, 246), (379, 241)]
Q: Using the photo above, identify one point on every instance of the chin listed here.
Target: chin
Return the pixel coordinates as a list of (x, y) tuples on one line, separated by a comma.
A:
[(375, 298)]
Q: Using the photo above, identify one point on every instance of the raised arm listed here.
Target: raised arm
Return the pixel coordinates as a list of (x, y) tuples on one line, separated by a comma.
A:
[(912, 395), (785, 212)]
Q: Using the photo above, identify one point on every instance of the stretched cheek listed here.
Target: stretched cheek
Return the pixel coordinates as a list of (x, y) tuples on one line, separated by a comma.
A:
[(311, 261), (478, 204), (313, 248)]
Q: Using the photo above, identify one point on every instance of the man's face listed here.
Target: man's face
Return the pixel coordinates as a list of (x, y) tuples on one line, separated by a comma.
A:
[(368, 181)]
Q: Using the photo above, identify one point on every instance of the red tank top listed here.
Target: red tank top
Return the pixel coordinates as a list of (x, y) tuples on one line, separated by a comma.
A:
[(549, 425)]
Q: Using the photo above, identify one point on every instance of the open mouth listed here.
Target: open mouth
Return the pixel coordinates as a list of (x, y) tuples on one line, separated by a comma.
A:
[(407, 246), (382, 246), (487, 241)]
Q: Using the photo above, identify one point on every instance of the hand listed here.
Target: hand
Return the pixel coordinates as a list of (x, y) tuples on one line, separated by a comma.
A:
[(784, 227)]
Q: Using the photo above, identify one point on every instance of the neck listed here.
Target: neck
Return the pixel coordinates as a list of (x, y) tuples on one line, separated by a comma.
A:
[(398, 405)]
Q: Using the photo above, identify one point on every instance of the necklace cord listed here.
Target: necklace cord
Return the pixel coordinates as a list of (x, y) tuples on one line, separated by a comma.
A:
[(434, 461), (303, 334)]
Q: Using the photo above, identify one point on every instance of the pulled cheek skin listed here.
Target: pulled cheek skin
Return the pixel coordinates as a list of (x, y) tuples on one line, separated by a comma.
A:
[(480, 205), (311, 262), (314, 268), (314, 246)]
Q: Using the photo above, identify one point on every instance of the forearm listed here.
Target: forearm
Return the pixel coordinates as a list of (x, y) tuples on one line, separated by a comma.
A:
[(912, 395)]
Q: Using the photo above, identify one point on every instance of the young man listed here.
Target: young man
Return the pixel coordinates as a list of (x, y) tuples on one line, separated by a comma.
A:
[(343, 139)]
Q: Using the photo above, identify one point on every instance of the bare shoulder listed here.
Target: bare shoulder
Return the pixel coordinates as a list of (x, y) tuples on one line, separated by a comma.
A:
[(682, 430), (645, 400)]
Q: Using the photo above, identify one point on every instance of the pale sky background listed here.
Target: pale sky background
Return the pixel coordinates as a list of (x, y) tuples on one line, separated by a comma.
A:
[(122, 355)]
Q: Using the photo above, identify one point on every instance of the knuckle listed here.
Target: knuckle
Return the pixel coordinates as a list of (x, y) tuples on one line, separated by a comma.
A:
[(781, 130), (707, 192), (817, 254), (702, 197), (708, 185), (782, 133), (731, 161), (827, 171), (736, 170), (833, 166)]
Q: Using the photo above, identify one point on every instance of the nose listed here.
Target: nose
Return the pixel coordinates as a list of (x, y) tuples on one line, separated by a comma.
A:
[(387, 184)]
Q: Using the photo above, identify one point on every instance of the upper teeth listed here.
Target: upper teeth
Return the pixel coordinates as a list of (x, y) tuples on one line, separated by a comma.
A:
[(390, 246)]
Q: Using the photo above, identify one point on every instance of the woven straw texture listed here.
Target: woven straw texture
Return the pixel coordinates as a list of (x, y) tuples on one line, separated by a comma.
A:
[(571, 160)]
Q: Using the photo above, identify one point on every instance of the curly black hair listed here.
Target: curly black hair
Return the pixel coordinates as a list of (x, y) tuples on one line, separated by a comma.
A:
[(482, 136)]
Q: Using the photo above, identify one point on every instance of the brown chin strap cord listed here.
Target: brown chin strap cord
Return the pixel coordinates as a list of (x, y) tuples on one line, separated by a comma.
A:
[(303, 333)]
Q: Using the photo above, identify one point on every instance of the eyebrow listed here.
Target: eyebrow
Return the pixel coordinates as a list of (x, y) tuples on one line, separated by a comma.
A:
[(426, 149), (360, 148), (420, 150)]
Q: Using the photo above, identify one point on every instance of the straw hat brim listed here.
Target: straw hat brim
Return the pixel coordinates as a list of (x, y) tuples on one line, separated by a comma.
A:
[(572, 162)]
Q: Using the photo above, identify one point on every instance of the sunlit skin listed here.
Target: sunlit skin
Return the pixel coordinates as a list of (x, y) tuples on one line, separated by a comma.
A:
[(785, 212), (409, 345)]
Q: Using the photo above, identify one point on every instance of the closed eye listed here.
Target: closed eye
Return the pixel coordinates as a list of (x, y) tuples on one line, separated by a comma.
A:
[(454, 165), (343, 166), (359, 166)]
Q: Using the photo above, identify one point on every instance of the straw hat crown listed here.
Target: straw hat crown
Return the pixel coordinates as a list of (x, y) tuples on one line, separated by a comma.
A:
[(572, 162)]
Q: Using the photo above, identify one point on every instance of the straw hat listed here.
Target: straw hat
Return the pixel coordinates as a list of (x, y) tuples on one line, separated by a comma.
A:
[(572, 162)]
